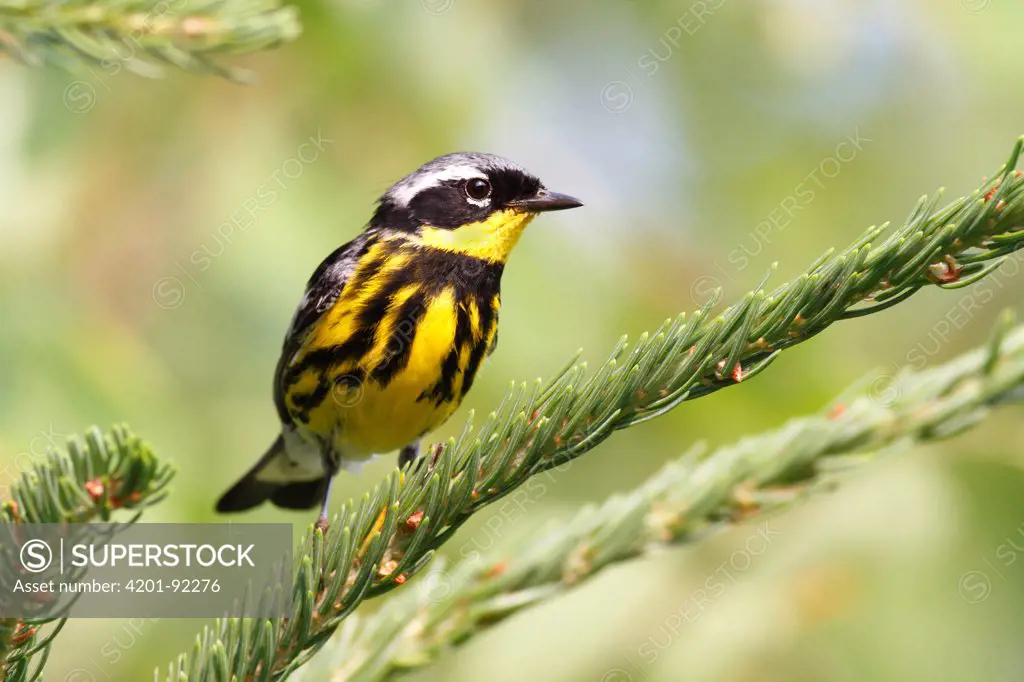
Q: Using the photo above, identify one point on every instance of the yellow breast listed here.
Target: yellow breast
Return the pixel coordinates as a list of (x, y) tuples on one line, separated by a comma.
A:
[(402, 380), (366, 417)]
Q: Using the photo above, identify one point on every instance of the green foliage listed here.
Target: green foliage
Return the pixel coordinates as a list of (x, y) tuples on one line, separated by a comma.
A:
[(683, 503), (140, 34), (95, 477), (535, 430), (89, 482)]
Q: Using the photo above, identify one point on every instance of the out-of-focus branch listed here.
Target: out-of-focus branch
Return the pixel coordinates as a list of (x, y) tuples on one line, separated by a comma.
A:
[(141, 34)]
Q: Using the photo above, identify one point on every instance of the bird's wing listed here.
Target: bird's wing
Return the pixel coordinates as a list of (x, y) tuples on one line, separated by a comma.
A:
[(322, 290)]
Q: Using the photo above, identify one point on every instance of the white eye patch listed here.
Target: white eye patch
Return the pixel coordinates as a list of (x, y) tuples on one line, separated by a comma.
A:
[(407, 189)]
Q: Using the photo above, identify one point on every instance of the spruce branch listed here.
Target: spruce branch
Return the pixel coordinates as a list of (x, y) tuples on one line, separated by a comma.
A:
[(141, 34), (94, 478), (685, 502), (368, 552)]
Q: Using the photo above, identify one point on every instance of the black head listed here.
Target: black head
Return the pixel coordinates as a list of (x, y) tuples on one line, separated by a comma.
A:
[(462, 189)]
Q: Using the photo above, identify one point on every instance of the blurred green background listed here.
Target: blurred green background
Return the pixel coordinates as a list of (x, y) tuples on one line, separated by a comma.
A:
[(156, 234)]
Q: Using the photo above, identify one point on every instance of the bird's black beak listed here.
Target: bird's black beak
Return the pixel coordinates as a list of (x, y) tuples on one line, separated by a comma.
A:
[(545, 200)]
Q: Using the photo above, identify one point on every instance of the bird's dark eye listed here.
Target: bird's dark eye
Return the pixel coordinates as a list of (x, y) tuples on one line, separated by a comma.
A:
[(478, 189)]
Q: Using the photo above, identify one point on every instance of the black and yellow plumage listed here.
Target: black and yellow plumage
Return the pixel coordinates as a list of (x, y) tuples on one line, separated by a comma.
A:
[(394, 325)]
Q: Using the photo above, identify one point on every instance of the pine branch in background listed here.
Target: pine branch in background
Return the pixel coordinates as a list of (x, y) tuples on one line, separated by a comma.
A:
[(536, 430), (93, 479), (140, 34), (687, 500)]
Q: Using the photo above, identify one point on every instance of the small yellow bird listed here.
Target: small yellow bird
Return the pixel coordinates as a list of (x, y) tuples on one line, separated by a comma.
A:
[(393, 326)]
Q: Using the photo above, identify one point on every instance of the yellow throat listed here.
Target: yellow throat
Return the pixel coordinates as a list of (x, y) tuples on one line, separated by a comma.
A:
[(491, 240)]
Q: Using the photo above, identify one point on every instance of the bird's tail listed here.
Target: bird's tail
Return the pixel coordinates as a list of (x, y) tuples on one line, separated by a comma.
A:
[(251, 491)]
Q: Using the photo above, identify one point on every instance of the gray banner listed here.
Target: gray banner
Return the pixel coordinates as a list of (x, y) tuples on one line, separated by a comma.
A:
[(145, 570)]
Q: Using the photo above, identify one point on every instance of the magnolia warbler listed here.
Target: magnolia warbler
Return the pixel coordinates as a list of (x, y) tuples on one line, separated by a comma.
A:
[(393, 326)]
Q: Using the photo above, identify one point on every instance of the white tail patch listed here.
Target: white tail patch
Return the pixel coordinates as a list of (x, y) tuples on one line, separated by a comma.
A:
[(299, 460)]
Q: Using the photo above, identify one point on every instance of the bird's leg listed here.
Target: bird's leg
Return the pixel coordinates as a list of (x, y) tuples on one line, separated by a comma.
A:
[(331, 465), (408, 454), (321, 521)]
